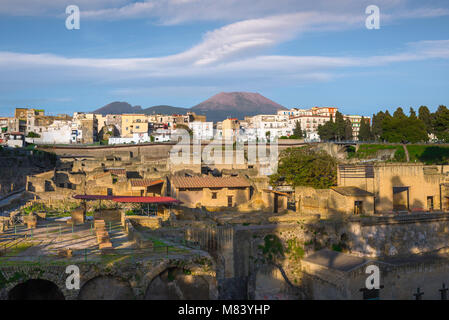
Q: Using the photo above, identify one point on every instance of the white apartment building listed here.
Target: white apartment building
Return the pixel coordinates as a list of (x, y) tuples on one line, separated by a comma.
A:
[(355, 121), (162, 135), (59, 132), (202, 130), (309, 125), (310, 119), (267, 127)]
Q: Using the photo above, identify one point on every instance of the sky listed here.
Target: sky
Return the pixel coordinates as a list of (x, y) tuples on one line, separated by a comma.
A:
[(181, 52)]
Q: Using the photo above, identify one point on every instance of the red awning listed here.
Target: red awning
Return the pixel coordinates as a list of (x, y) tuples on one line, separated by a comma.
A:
[(128, 199), (92, 197), (146, 199)]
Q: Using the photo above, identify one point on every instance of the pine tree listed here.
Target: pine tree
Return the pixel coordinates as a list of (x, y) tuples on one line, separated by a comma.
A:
[(399, 114), (365, 130), (412, 114), (297, 132), (403, 129), (376, 128), (348, 130), (327, 131), (340, 126), (440, 123), (425, 116)]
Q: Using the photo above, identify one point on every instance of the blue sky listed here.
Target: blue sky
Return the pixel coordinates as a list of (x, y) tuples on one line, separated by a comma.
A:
[(181, 52)]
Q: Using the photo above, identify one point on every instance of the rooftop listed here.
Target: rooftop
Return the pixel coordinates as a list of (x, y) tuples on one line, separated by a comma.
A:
[(352, 192), (145, 182), (209, 182), (335, 260)]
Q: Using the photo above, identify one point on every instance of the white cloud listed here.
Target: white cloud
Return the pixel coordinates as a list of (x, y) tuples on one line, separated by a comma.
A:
[(183, 68), (180, 11)]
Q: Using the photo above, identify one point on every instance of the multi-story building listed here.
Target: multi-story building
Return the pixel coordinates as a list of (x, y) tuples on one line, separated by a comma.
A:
[(5, 125), (310, 119), (134, 123), (202, 130), (59, 132), (267, 127), (309, 125), (356, 121), (229, 128), (84, 128)]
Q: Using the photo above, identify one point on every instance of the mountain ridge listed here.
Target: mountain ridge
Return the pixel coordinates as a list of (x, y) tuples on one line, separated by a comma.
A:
[(216, 108)]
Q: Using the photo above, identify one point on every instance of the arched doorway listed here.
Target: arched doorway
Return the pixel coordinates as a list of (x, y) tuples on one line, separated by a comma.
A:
[(106, 288), (177, 284), (36, 289)]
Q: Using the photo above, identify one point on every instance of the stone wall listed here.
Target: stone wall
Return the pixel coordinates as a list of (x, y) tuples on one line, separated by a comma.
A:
[(137, 276), (399, 282)]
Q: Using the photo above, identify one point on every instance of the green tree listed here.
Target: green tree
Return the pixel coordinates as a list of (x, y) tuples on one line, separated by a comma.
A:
[(306, 167), (327, 131), (365, 130), (399, 114), (425, 116), (403, 129), (412, 114), (340, 126), (348, 130), (32, 134), (376, 128), (297, 132), (440, 123)]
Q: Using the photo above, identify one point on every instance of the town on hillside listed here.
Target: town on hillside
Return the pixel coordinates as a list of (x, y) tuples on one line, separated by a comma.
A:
[(33, 127)]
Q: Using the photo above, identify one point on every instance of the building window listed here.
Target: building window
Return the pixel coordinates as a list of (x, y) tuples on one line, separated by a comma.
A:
[(214, 195)]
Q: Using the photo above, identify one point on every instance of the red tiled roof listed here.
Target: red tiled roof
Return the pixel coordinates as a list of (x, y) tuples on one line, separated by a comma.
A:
[(118, 172), (145, 182), (209, 182)]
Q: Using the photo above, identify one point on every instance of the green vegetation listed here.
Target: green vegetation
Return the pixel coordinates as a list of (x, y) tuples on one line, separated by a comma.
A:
[(16, 249), (272, 247), (403, 129), (30, 146), (297, 132), (187, 271), (337, 247), (294, 249), (305, 167), (428, 154), (368, 151), (32, 134), (400, 128), (35, 207), (337, 130)]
